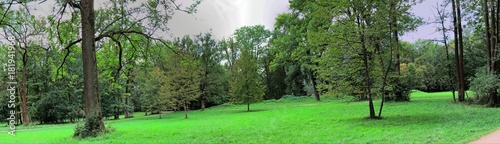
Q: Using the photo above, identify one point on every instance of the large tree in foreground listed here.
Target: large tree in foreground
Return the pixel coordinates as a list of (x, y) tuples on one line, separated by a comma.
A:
[(143, 20), (93, 114), (246, 86)]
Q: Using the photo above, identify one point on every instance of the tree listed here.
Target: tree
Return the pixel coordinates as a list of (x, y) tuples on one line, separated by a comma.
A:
[(161, 99), (253, 38), (213, 77), (246, 87), (457, 30), (355, 53), (156, 13), (93, 112), (182, 80), (491, 41), (27, 34), (441, 18), (283, 44)]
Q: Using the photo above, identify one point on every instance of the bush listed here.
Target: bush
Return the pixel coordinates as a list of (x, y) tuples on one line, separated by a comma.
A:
[(291, 98), (270, 101), (56, 107), (482, 83)]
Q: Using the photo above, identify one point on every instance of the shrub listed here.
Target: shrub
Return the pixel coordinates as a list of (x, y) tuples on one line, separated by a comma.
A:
[(482, 83), (291, 98)]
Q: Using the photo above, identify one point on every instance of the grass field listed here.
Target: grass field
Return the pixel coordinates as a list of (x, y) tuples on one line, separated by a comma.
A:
[(428, 118)]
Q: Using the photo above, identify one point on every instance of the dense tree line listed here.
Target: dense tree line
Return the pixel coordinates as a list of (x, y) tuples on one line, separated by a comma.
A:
[(103, 63)]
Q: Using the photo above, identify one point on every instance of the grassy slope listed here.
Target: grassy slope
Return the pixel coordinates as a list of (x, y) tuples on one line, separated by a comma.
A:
[(429, 118)]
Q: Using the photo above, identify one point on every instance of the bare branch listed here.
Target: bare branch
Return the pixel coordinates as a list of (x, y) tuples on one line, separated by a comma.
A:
[(73, 4), (67, 54)]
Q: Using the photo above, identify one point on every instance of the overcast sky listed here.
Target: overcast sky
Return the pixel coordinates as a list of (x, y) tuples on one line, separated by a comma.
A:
[(223, 17)]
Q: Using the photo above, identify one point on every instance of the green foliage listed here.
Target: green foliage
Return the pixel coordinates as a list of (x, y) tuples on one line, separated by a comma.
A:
[(155, 97), (430, 59), (246, 86), (55, 107), (182, 80), (252, 38), (482, 84), (286, 54), (162, 99), (214, 78)]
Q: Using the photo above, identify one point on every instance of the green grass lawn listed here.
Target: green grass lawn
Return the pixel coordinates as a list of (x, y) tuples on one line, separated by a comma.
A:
[(428, 118)]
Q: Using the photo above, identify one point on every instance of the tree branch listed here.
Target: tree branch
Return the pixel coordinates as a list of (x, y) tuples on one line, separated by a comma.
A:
[(73, 4)]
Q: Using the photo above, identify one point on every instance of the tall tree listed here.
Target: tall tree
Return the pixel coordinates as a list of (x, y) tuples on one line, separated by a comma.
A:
[(156, 13), (457, 30), (441, 18), (182, 80), (93, 112), (246, 87), (284, 44), (491, 41), (26, 33)]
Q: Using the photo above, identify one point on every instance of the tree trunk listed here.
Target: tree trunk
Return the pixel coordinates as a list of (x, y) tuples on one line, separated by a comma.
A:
[(386, 73), (367, 86), (159, 113), (457, 59), (90, 82), (313, 81), (125, 110), (397, 64), (185, 111), (461, 91), (248, 106), (117, 113), (312, 78), (202, 104), (24, 108), (445, 42), (493, 100)]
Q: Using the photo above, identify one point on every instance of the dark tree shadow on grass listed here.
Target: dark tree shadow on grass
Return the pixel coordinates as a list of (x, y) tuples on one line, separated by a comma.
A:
[(404, 120), (251, 111)]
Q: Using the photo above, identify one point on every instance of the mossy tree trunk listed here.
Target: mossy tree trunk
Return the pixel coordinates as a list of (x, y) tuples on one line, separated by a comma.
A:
[(90, 82)]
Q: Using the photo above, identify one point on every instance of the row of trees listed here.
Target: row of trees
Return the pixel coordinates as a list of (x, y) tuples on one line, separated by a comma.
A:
[(320, 47)]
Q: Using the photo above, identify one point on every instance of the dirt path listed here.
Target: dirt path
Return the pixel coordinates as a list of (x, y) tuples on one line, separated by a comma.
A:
[(492, 138)]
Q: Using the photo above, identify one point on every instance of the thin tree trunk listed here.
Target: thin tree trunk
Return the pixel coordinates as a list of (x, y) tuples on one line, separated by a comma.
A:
[(445, 42), (313, 78), (116, 113), (159, 112), (202, 104), (457, 59), (366, 68), (313, 81), (384, 81), (386, 73), (248, 106), (185, 111), (493, 93), (126, 112), (90, 81), (397, 64), (24, 108), (461, 91), (488, 35)]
